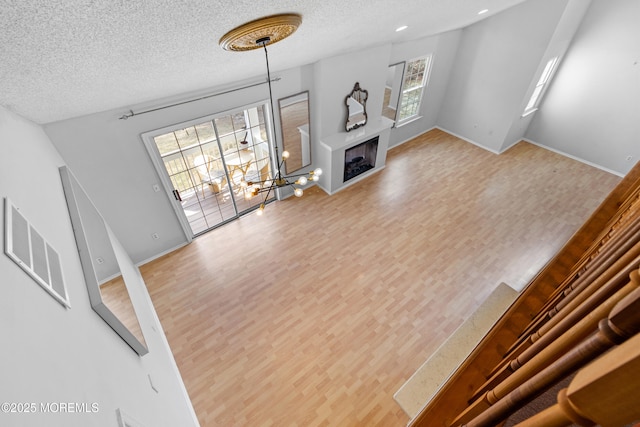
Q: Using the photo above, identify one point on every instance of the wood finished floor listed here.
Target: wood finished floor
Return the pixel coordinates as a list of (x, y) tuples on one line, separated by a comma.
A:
[(317, 312)]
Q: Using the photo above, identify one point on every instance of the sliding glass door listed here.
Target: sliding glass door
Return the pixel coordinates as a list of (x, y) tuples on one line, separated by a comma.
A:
[(205, 163)]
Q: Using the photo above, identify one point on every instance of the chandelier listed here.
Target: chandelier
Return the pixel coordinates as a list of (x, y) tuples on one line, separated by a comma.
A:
[(255, 35)]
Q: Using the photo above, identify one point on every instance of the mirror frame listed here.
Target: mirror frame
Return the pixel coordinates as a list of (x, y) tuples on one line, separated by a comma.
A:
[(305, 155), (72, 191), (398, 77), (360, 97)]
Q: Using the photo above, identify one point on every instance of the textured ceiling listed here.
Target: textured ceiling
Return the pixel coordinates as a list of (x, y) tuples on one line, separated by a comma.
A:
[(67, 58)]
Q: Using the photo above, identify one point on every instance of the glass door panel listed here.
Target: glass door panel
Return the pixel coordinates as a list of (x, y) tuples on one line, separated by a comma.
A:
[(210, 163)]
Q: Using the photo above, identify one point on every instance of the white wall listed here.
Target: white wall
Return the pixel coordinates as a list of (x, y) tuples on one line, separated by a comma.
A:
[(591, 111), (108, 157), (334, 80), (443, 47), (51, 354), (495, 63)]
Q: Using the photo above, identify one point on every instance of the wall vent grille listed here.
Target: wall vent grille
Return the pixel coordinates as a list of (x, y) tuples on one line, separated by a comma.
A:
[(27, 248)]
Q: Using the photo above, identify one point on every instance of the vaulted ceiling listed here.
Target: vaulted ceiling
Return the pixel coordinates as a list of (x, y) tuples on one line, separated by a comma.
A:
[(67, 58)]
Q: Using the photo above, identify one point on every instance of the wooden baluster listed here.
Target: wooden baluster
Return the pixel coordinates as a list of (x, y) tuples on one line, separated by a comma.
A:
[(605, 392), (622, 323), (577, 324), (624, 244)]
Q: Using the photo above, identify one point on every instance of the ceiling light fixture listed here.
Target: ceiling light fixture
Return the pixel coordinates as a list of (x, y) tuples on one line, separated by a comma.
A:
[(255, 35), (483, 11), (404, 27)]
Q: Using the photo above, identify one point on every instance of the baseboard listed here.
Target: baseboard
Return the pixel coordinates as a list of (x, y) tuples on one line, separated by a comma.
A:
[(163, 253), (470, 141), (411, 138), (586, 162)]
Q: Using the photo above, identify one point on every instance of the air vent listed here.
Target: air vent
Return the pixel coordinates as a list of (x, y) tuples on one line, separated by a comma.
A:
[(27, 248)]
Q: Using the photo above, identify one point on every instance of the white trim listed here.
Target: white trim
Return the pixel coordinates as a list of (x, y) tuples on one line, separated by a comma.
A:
[(513, 144), (165, 180), (411, 138), (161, 254), (468, 140), (545, 77), (408, 120), (586, 162)]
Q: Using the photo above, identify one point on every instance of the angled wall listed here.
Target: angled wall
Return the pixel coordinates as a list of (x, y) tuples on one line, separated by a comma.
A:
[(495, 63), (591, 110), (53, 355)]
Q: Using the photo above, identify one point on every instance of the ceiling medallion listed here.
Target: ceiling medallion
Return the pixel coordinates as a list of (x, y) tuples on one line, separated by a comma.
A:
[(275, 27)]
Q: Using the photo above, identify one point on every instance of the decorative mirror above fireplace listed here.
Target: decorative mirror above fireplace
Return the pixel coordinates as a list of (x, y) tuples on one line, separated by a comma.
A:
[(356, 103)]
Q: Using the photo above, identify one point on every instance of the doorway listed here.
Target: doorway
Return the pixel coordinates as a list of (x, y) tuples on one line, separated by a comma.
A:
[(204, 165)]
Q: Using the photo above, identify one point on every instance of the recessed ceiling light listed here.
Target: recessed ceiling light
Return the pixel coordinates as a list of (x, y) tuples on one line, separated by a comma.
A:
[(404, 27), (483, 11)]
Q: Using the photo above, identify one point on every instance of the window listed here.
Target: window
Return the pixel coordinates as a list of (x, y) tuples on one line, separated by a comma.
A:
[(532, 105), (413, 83)]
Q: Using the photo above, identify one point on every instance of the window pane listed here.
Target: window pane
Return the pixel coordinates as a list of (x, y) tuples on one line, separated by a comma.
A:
[(205, 132), (187, 137), (239, 121), (547, 71), (181, 181), (534, 98), (211, 149), (166, 143), (224, 125), (174, 163), (412, 88)]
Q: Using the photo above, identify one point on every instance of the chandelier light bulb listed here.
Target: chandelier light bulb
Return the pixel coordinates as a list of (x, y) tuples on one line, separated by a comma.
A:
[(302, 180), (317, 171), (315, 178), (285, 154), (298, 192), (260, 210)]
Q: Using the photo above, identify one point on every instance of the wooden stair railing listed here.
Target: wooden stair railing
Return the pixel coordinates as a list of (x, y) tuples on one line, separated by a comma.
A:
[(539, 340), (609, 248), (622, 323), (596, 271), (603, 393), (587, 276)]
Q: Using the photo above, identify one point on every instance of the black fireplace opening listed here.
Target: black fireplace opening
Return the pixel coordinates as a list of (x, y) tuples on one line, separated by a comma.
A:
[(360, 158)]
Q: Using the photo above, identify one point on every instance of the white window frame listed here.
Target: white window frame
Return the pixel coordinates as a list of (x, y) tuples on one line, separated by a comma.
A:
[(540, 87), (402, 104)]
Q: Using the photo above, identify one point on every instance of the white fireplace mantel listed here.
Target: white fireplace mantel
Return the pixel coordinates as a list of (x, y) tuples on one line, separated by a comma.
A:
[(330, 153)]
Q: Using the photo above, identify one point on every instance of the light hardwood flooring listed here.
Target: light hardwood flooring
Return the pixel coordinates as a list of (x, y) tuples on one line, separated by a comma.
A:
[(316, 313)]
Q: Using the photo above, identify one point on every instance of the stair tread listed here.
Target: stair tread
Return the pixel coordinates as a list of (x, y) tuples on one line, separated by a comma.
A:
[(427, 380)]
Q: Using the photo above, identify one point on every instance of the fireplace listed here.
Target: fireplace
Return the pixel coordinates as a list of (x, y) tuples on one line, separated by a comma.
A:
[(360, 158)]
